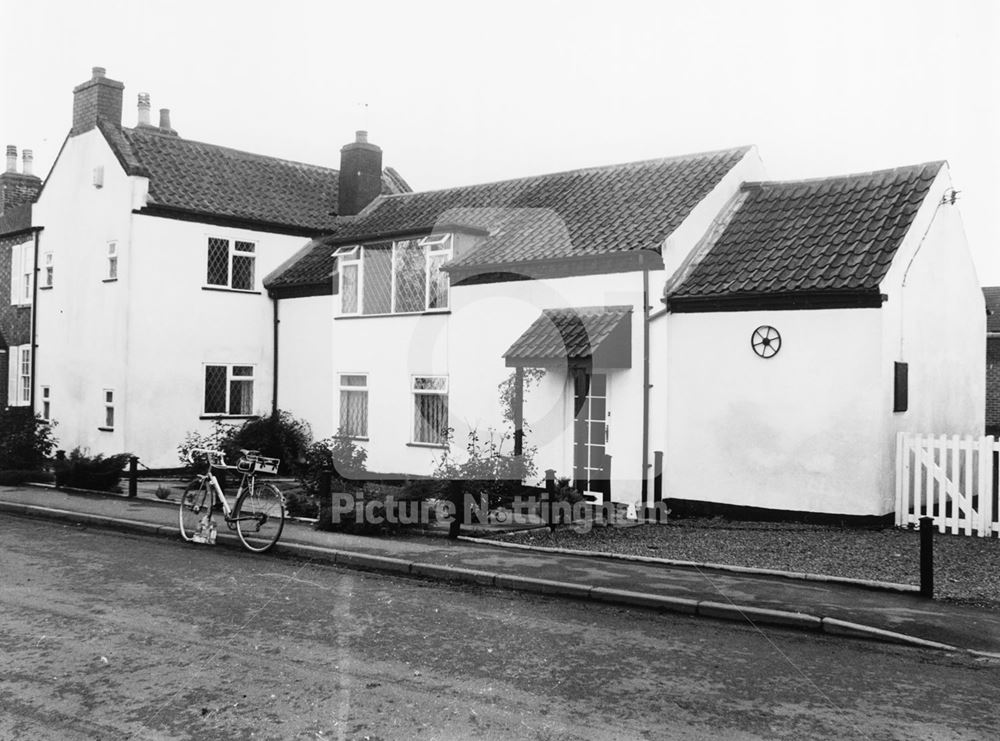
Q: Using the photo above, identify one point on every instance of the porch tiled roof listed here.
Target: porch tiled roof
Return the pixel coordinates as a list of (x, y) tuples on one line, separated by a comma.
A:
[(810, 237), (581, 213), (567, 334), (199, 178)]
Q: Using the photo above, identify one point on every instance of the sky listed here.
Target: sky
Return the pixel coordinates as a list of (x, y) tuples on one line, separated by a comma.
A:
[(461, 92)]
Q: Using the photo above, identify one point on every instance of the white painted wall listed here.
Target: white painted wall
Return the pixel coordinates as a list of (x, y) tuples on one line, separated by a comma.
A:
[(935, 321), (176, 326), (467, 345), (802, 430), (82, 322), (305, 371), (148, 334)]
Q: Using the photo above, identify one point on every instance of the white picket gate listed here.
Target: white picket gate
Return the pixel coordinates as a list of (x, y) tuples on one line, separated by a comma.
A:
[(950, 479)]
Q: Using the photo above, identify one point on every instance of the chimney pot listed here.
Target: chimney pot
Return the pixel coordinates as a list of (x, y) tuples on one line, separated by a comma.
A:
[(361, 137), (29, 159), (11, 158), (165, 118), (144, 109), (98, 72)]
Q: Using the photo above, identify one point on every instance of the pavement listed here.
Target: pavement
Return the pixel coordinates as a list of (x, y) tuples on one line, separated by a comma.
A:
[(895, 615)]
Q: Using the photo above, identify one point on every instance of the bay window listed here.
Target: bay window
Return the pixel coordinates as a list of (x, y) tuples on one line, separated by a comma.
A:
[(401, 277)]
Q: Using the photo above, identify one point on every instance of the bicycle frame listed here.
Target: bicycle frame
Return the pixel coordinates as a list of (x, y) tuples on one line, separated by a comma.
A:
[(217, 493)]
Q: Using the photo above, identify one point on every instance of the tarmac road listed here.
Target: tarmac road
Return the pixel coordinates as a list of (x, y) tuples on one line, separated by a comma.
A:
[(106, 635)]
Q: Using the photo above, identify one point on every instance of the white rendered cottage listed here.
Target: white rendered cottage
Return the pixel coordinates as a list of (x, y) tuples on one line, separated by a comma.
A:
[(702, 336), (151, 318)]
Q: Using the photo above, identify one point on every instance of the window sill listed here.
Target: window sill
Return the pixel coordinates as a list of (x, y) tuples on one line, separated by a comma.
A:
[(44, 288), (109, 280), (227, 416), (436, 446), (432, 312), (106, 429), (226, 289)]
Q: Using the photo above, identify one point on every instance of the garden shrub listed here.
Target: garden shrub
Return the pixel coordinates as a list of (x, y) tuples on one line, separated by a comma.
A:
[(279, 435), (487, 468), (26, 440), (15, 477), (82, 471)]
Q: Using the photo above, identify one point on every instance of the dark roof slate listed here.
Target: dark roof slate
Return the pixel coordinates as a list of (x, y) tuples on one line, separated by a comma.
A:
[(581, 213), (198, 178), (992, 296), (570, 334), (818, 236)]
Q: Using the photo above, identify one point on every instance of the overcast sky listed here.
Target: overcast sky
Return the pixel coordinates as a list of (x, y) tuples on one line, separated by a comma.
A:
[(458, 92)]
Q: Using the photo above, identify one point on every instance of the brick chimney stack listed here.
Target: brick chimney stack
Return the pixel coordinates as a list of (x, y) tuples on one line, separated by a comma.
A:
[(98, 98), (360, 175), (18, 188)]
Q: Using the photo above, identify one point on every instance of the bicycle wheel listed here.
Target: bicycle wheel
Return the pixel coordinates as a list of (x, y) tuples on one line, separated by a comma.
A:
[(195, 506), (260, 517)]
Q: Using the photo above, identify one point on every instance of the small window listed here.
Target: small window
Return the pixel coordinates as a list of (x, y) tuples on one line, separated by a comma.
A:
[(109, 409), (349, 264), (46, 404), (112, 261), (19, 376), (901, 391), (354, 405), (231, 264), (49, 270), (430, 410), (22, 266), (229, 389)]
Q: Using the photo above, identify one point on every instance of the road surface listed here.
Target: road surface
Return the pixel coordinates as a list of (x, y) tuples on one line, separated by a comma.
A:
[(106, 635)]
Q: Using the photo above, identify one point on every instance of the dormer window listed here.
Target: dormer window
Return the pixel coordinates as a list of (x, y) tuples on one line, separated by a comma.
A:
[(401, 277)]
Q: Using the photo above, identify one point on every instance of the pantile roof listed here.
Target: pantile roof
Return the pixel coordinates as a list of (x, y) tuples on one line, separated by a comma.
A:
[(992, 296), (569, 335), (198, 178), (817, 237), (581, 213)]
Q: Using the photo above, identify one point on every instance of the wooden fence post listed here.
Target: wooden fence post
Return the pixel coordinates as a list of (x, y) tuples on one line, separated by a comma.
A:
[(927, 557), (133, 476)]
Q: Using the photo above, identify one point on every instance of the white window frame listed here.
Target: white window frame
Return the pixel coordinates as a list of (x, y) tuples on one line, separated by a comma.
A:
[(434, 245), (232, 252), (108, 402), (46, 403), (19, 375), (230, 377), (346, 257), (49, 268), (414, 392), (22, 268), (112, 262), (360, 391)]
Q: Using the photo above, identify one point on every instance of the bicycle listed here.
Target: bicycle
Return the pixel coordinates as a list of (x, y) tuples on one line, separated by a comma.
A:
[(258, 516)]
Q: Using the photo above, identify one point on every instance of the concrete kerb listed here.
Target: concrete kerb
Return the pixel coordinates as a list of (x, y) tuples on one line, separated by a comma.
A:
[(370, 562), (749, 570)]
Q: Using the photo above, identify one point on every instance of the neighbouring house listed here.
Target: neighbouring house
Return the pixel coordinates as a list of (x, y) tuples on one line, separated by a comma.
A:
[(17, 280), (992, 296), (675, 328), (151, 320)]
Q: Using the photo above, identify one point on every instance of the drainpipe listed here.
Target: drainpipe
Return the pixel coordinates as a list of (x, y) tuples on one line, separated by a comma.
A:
[(645, 379), (274, 372), (34, 318)]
